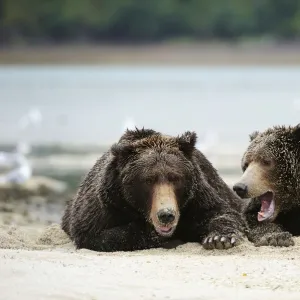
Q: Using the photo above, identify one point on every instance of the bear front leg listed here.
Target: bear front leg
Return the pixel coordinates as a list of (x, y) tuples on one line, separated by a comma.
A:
[(224, 231), (128, 237), (270, 234), (265, 233)]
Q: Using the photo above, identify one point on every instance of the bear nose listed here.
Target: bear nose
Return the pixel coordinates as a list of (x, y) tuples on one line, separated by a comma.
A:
[(166, 216), (240, 189)]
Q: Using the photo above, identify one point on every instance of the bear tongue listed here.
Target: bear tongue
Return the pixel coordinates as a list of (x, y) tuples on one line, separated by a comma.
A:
[(267, 207), (165, 228)]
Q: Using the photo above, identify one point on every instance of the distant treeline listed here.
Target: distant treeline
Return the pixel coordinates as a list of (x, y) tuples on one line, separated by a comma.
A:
[(147, 20)]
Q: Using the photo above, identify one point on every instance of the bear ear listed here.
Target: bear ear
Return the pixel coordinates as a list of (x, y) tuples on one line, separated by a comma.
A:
[(137, 134), (296, 132), (187, 142), (253, 135), (122, 149)]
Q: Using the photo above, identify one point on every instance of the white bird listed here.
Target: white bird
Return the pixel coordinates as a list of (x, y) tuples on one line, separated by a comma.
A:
[(128, 124), (209, 140), (21, 169), (34, 117)]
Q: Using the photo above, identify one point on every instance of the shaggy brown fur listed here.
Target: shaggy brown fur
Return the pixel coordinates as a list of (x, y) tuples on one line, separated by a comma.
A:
[(271, 179), (149, 189)]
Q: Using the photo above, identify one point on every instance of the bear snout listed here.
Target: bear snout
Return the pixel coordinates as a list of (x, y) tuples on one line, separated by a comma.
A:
[(166, 216), (253, 183), (241, 189), (164, 209)]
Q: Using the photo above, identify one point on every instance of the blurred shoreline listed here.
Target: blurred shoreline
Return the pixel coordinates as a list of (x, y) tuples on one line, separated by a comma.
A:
[(58, 171), (210, 54), (71, 163)]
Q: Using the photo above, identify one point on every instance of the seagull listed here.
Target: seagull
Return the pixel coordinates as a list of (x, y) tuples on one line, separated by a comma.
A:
[(34, 117), (208, 141), (128, 124), (21, 169)]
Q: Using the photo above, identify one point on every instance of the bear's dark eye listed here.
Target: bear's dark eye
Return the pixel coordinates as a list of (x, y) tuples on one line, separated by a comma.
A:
[(245, 166), (149, 181), (174, 178), (266, 162)]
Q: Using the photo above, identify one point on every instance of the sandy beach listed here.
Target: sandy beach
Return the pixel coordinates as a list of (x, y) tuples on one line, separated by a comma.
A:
[(208, 54), (38, 261), (42, 263)]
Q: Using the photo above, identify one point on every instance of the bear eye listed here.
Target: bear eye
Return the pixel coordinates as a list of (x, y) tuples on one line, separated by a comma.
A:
[(245, 166), (174, 179), (149, 181), (266, 162)]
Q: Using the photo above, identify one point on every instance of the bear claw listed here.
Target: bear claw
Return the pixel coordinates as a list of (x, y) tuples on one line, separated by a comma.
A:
[(220, 242), (281, 239)]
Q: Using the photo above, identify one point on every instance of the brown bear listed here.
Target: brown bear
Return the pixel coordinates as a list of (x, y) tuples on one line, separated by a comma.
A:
[(271, 180), (149, 189)]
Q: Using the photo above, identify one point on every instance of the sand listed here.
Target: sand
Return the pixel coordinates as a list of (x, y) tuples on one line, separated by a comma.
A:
[(42, 263), (208, 54)]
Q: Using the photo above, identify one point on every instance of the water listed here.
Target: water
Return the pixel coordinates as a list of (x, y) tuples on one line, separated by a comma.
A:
[(90, 104)]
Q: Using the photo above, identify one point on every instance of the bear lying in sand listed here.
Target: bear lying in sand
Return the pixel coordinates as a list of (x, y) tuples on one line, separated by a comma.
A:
[(271, 178), (149, 189)]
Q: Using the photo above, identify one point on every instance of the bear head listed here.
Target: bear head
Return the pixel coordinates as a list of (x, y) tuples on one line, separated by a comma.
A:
[(271, 171), (156, 175)]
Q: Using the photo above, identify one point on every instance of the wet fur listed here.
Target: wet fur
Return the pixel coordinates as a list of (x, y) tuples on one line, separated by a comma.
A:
[(101, 218), (282, 144)]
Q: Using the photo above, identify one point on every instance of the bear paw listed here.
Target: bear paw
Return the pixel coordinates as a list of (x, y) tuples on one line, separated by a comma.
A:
[(281, 239), (215, 241)]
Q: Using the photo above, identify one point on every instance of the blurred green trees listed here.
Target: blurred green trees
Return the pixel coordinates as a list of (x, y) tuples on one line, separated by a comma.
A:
[(148, 20)]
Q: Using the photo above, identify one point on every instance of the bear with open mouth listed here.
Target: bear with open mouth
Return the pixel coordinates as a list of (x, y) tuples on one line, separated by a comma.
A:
[(271, 181), (149, 189)]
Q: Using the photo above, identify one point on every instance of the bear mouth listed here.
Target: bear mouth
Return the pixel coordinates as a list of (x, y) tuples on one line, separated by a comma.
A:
[(267, 208), (165, 231)]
